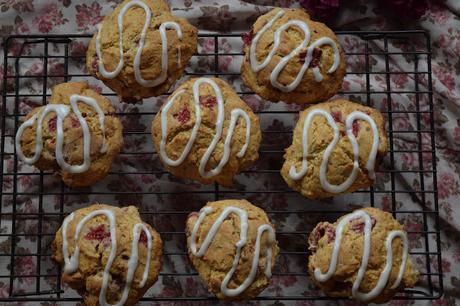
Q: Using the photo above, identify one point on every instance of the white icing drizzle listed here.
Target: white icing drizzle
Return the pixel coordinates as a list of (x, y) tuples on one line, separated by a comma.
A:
[(297, 175), (137, 59), (384, 276), (243, 216), (62, 111), (235, 115), (256, 66), (71, 264)]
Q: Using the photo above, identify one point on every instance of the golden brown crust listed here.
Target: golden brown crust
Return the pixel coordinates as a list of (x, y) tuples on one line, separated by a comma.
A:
[(341, 159), (218, 259), (125, 84), (321, 242), (309, 90), (73, 136), (95, 248), (180, 128)]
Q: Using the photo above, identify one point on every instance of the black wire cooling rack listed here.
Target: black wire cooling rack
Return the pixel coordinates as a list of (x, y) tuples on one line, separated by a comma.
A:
[(168, 202)]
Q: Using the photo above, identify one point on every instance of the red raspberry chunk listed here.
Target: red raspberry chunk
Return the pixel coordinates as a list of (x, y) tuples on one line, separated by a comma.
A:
[(94, 64), (183, 116), (355, 127), (208, 101), (247, 38), (74, 121), (316, 58), (320, 231), (143, 238), (337, 115), (98, 233), (357, 225), (52, 124), (302, 56)]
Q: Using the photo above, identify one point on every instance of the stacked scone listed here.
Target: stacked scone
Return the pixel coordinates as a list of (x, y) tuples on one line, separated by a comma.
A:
[(206, 132)]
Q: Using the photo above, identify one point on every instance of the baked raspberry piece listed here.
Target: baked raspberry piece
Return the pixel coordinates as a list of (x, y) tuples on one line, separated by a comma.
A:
[(357, 225), (208, 101), (316, 58), (247, 38), (355, 127), (183, 115), (97, 233)]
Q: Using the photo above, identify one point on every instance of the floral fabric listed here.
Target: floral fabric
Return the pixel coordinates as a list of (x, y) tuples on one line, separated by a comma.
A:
[(145, 175)]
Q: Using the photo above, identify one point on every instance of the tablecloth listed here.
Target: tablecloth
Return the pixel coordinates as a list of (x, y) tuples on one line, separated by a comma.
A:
[(442, 20)]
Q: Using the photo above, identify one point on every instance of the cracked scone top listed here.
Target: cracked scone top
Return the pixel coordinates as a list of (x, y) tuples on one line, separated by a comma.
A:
[(290, 58), (147, 56), (205, 132), (232, 245), (335, 149), (108, 254), (363, 255), (79, 136)]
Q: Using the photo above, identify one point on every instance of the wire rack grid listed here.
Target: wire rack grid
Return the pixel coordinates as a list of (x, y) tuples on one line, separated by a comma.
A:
[(167, 203)]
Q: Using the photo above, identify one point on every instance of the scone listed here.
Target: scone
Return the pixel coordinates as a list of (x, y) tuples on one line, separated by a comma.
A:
[(205, 132), (335, 149), (232, 245), (363, 255), (147, 56), (108, 254), (290, 58), (77, 135)]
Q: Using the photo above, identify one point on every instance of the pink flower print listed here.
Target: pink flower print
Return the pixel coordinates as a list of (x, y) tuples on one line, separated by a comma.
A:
[(36, 69), (23, 266), (444, 41), (88, 16), (408, 159), (400, 124), (21, 6), (447, 185), (29, 208), (457, 134), (20, 26), (96, 88), (444, 77), (399, 80), (77, 48), (413, 225), (441, 302), (50, 16), (439, 15), (4, 290), (56, 67), (208, 45), (146, 179), (224, 63), (346, 85), (457, 255), (288, 281), (253, 101), (457, 46), (386, 203), (445, 265), (25, 180)]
